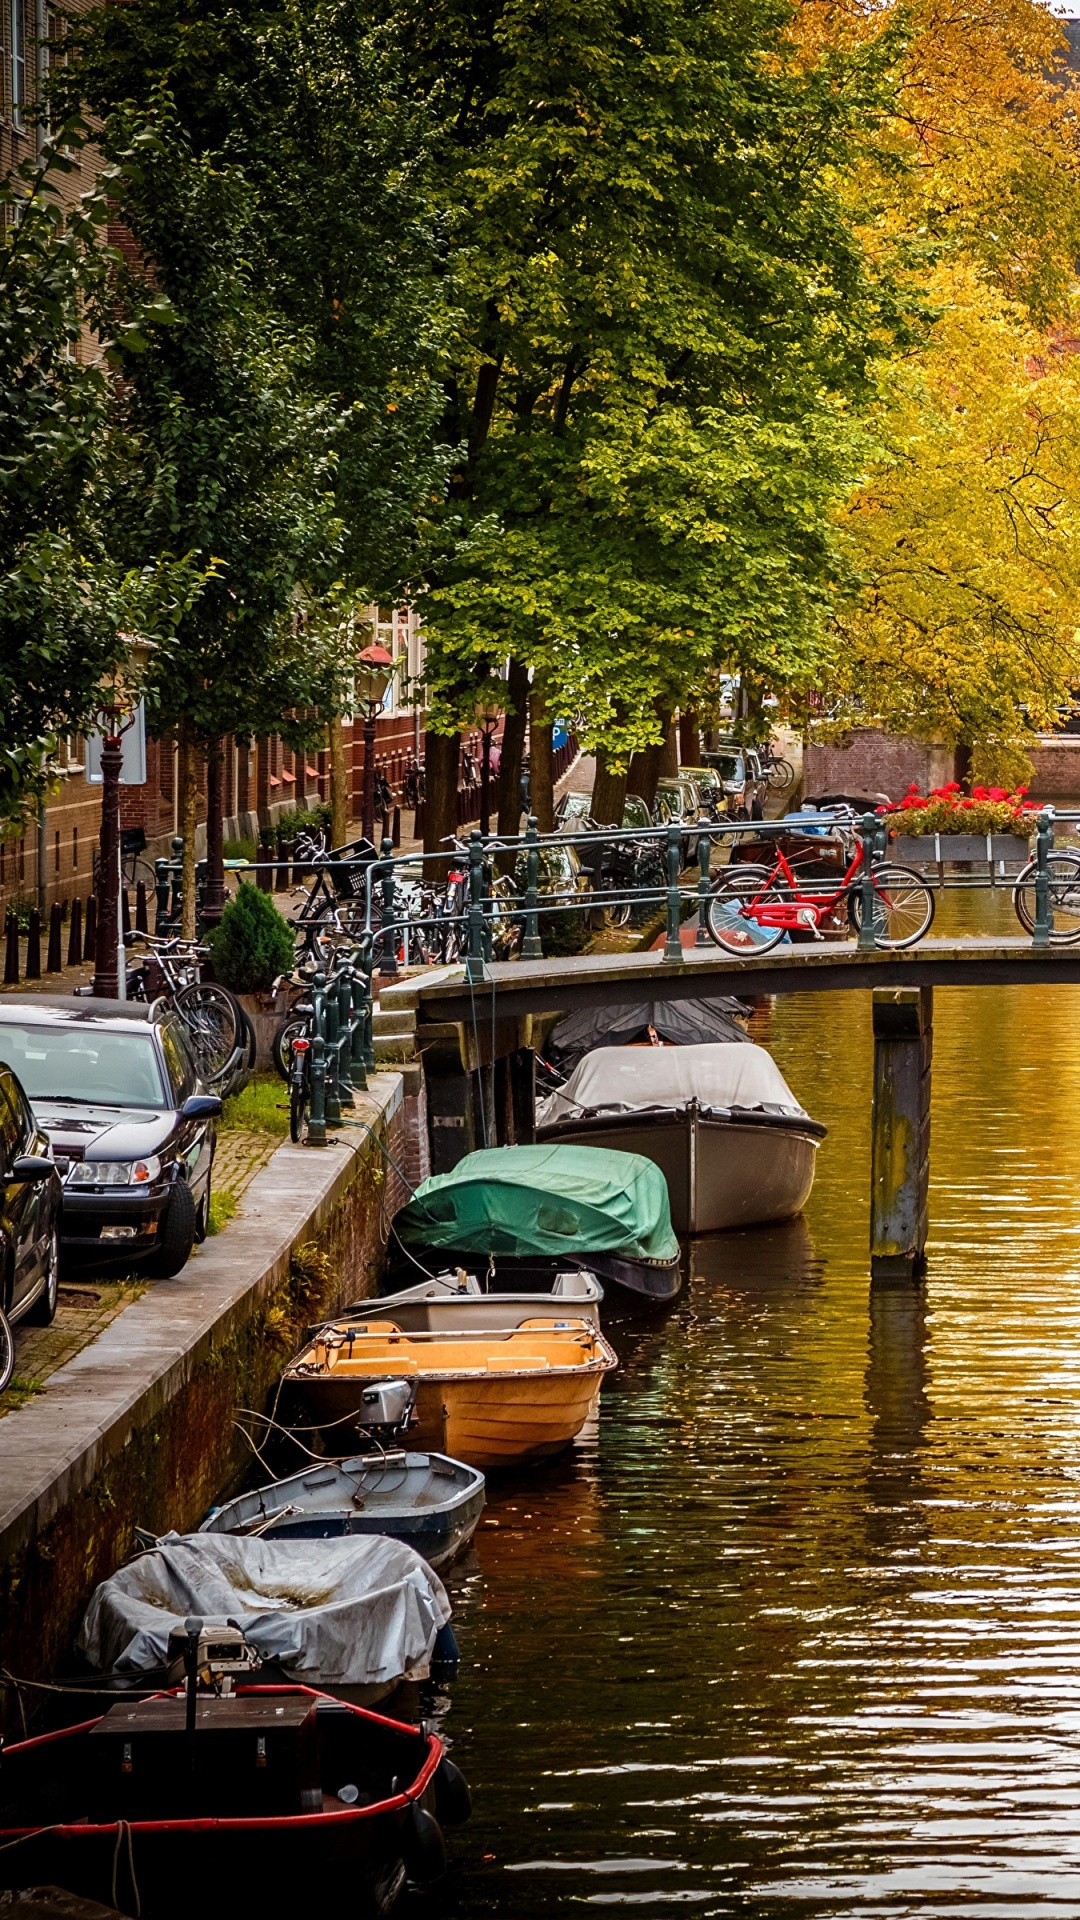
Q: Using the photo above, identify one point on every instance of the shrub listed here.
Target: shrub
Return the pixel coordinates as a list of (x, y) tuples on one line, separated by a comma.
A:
[(239, 850), (253, 943)]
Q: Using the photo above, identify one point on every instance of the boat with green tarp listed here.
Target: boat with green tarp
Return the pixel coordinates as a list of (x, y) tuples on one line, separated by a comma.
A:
[(529, 1212)]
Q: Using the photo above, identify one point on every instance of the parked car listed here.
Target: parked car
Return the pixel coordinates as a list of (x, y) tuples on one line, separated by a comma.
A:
[(130, 1124), (709, 786), (29, 1210), (741, 777)]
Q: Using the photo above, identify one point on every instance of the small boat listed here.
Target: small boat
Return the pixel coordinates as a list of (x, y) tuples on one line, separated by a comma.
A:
[(454, 1301), (492, 1399), (621, 1023), (532, 1211), (360, 1613), (245, 1801), (720, 1121), (430, 1503)]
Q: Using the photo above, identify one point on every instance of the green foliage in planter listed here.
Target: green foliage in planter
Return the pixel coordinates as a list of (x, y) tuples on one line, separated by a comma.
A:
[(239, 850), (253, 944)]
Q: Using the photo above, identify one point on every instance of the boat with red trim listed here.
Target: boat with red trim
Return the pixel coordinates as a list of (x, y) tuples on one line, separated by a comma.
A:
[(181, 1801)]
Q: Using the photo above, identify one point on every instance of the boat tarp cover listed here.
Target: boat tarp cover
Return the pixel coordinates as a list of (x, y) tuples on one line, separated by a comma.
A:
[(546, 1200), (349, 1612), (683, 1023), (628, 1078)]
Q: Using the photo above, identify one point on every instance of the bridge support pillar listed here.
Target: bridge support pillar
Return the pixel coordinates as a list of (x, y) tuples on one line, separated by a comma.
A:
[(903, 1045)]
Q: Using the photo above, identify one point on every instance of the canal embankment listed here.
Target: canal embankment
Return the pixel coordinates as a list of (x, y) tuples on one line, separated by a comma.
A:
[(138, 1429)]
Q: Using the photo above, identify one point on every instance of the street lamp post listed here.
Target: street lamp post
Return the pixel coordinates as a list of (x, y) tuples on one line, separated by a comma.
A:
[(374, 670), (488, 718), (107, 951)]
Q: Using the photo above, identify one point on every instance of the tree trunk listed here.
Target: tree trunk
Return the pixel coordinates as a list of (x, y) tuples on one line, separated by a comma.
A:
[(339, 788), (645, 768), (962, 763), (669, 752), (513, 750), (609, 792), (689, 739), (441, 786), (541, 773), (214, 897), (189, 772)]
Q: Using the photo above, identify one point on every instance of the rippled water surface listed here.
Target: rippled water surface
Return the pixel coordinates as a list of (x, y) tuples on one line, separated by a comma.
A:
[(797, 1629)]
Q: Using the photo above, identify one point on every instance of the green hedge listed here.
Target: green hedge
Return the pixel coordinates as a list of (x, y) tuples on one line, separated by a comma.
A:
[(253, 943)]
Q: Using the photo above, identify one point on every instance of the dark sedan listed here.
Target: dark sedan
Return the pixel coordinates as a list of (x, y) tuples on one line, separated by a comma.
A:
[(29, 1211), (129, 1122)]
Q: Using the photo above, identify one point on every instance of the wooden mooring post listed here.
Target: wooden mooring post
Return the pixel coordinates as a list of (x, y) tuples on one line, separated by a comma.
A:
[(900, 1172)]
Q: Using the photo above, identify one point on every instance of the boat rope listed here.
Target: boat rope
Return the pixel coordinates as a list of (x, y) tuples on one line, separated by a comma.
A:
[(123, 1832), (35, 1833)]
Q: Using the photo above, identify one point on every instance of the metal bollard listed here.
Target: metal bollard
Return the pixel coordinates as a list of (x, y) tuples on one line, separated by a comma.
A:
[(344, 1016), (360, 991), (316, 1135), (672, 944), (388, 965), (704, 888), (531, 948), (867, 940), (161, 896), (474, 965), (1044, 911), (333, 1056)]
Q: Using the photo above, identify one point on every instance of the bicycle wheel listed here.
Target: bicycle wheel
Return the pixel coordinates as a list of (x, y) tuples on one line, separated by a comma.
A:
[(298, 1105), (903, 906), (7, 1352), (1064, 870), (780, 775), (292, 1027), (729, 917), (216, 1023)]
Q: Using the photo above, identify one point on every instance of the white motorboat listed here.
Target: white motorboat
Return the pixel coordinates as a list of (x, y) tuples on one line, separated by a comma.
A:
[(719, 1120)]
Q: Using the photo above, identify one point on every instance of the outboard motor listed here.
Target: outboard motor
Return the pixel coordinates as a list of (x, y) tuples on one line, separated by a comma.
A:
[(210, 1657), (387, 1410)]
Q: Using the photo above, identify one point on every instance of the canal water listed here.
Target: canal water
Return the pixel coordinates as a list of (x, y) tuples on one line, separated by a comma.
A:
[(796, 1630)]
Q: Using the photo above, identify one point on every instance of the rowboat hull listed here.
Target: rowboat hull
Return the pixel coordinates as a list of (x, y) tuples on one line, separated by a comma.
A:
[(722, 1170), (430, 1503), (495, 1400)]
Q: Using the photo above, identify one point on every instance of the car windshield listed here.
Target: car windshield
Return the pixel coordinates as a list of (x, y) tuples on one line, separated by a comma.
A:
[(729, 766), (84, 1064)]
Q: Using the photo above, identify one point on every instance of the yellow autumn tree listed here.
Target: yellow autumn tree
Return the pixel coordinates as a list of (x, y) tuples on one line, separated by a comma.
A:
[(965, 533)]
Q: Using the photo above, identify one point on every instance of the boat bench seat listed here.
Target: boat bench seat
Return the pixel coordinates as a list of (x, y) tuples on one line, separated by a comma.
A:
[(517, 1362), (364, 1364)]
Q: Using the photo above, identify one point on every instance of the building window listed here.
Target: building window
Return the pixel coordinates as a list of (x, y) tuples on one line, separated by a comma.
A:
[(22, 859), (56, 852), (74, 849), (18, 60)]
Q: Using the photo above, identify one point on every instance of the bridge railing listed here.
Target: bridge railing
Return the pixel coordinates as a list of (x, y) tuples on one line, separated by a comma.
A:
[(490, 905)]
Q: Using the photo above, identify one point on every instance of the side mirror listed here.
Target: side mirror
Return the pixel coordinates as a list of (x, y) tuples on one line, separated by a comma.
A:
[(201, 1106), (31, 1166)]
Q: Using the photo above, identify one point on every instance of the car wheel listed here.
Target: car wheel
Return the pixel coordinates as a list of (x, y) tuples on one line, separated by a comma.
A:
[(176, 1234), (43, 1311)]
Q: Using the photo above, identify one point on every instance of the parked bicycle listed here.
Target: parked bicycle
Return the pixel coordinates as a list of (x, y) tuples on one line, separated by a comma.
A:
[(221, 1034), (1063, 891), (753, 906), (778, 773)]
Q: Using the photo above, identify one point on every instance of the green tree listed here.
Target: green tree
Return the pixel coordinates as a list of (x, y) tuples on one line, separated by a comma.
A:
[(665, 327), (65, 603)]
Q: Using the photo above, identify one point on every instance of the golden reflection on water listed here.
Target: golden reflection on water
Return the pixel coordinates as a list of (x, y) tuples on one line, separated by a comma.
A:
[(798, 1629)]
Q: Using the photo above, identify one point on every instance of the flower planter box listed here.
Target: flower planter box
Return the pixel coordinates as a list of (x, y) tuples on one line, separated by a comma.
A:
[(996, 850)]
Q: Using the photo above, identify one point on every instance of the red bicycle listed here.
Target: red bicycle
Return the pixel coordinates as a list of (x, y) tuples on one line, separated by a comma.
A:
[(751, 908)]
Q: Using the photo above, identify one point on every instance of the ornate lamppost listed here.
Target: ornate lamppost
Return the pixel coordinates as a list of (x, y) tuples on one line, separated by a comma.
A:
[(374, 671), (488, 715), (115, 713)]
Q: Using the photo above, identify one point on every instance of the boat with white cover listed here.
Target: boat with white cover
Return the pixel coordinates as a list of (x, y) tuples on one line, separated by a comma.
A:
[(719, 1120)]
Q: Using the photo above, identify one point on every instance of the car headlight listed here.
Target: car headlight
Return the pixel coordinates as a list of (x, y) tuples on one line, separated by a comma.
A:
[(115, 1173)]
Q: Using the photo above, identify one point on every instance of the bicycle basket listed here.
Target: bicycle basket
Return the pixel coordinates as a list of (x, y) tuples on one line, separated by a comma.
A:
[(347, 866)]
